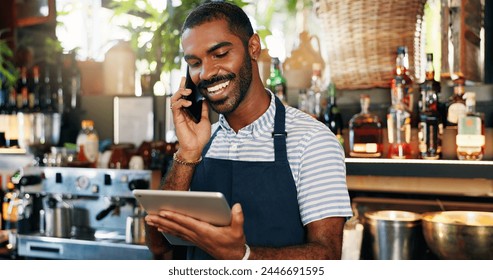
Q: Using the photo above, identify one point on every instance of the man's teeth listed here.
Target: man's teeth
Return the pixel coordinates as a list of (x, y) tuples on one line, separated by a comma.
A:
[(218, 87)]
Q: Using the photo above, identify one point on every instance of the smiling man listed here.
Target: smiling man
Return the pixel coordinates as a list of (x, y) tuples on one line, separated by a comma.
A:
[(282, 171)]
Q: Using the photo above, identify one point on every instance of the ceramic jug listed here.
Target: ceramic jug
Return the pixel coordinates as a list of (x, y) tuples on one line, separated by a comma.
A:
[(297, 68), (119, 70)]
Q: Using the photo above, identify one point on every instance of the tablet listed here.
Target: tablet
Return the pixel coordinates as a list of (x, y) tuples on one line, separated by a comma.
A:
[(210, 207)]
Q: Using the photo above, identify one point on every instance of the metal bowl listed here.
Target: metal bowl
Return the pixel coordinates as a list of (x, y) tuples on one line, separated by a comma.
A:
[(463, 235)]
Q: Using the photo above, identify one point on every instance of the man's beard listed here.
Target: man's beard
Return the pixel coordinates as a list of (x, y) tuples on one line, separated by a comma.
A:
[(240, 88)]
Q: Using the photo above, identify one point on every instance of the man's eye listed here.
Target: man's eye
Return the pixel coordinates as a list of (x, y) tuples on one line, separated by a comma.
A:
[(220, 55), (193, 64)]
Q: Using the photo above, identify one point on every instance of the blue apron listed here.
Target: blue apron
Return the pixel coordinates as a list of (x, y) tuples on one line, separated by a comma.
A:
[(266, 191)]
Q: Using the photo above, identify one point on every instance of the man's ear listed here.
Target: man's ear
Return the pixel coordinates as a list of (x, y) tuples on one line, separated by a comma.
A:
[(254, 46)]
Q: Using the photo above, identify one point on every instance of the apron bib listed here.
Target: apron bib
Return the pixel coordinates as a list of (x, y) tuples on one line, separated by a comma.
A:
[(266, 191)]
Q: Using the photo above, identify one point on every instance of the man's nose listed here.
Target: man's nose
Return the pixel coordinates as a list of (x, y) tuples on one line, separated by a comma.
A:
[(208, 71)]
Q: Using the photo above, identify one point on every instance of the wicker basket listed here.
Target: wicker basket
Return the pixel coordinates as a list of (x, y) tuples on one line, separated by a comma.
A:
[(362, 37)]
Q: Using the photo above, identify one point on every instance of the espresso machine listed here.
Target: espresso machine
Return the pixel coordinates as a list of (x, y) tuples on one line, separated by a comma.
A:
[(82, 213)]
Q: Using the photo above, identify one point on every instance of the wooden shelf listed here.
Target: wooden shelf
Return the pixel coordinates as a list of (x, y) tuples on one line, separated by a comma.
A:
[(28, 14), (24, 22)]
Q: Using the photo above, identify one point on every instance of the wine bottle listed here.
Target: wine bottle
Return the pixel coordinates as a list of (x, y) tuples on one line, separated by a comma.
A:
[(59, 91), (24, 119), (52, 117), (12, 133), (34, 91), (331, 116)]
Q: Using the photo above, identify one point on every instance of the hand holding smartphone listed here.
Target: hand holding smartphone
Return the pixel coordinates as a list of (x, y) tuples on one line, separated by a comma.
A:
[(195, 110)]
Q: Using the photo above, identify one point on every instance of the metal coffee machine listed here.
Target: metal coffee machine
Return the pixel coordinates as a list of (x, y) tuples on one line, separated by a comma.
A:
[(83, 213)]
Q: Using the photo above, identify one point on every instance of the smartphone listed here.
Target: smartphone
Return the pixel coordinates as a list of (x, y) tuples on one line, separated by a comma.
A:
[(195, 110)]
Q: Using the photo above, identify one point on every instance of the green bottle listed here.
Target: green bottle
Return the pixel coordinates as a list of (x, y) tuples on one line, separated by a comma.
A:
[(331, 115), (276, 82)]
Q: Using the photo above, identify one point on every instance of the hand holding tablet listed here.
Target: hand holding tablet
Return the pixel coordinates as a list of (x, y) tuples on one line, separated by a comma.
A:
[(210, 207)]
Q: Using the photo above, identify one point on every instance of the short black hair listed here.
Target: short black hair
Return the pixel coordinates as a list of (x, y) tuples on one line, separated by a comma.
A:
[(237, 19)]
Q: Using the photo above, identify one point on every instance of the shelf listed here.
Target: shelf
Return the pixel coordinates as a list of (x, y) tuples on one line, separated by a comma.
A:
[(12, 151), (29, 13), (420, 168), (24, 22), (13, 159)]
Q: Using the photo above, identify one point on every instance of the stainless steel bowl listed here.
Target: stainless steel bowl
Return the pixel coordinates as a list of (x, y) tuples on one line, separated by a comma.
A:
[(460, 235)]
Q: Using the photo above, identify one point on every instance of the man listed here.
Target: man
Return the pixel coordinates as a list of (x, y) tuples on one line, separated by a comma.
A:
[(282, 171)]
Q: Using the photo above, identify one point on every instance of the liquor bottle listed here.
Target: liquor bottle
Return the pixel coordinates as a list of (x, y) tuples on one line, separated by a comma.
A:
[(429, 101), (72, 80), (276, 82), (303, 100), (22, 90), (3, 113), (456, 105), (402, 71), (23, 113), (46, 97), (399, 124), (88, 144), (314, 95), (59, 91), (470, 137), (52, 117), (430, 126), (34, 91), (331, 116), (365, 132), (37, 117), (12, 133)]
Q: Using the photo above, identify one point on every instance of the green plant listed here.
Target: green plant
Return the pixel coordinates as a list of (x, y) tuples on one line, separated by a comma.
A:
[(265, 13), (52, 50), (162, 29), (157, 39), (8, 73)]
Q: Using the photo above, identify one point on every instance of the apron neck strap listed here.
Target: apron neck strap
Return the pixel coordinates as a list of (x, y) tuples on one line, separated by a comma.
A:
[(280, 133)]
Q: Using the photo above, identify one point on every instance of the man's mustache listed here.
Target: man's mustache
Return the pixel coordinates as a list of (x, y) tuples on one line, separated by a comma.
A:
[(215, 79)]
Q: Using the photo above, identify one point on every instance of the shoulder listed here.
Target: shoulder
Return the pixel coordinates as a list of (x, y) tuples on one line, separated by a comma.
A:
[(296, 118), (298, 122)]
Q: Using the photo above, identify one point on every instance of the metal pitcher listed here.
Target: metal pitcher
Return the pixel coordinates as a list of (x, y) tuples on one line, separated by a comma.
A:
[(56, 220)]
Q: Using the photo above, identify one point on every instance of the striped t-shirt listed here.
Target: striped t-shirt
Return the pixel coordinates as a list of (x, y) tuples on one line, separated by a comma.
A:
[(315, 156)]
